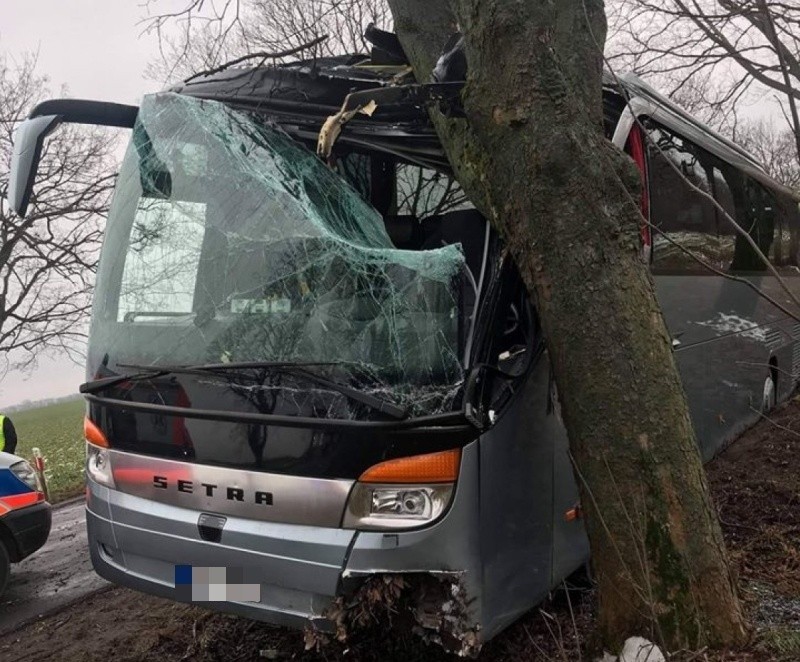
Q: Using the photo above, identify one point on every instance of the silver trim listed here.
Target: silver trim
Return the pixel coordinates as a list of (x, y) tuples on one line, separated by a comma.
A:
[(205, 488), (635, 108), (644, 101), (640, 88)]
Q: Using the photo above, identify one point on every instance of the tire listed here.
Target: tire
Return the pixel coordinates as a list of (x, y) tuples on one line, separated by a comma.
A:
[(5, 568), (770, 397)]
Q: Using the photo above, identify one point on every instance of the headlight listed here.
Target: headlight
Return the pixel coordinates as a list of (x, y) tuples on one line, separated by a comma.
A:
[(403, 493), (395, 506), (98, 465), (27, 475)]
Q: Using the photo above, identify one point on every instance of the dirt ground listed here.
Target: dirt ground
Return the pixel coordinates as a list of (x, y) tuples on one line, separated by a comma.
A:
[(756, 486), (56, 576)]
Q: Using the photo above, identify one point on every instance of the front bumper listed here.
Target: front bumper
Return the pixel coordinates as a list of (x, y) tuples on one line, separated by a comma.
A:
[(29, 527), (138, 542)]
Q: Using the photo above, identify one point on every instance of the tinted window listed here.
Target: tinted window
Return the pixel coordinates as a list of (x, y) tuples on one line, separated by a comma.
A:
[(681, 213), (787, 233), (754, 209), (689, 220)]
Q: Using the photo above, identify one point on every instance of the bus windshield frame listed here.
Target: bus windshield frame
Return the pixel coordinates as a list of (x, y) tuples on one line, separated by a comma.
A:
[(229, 241)]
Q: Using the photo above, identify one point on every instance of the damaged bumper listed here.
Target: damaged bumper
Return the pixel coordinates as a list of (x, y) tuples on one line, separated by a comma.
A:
[(439, 567), (308, 575), (138, 543)]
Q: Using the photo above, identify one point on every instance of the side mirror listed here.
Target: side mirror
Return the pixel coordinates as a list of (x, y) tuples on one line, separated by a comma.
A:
[(28, 142), (46, 116)]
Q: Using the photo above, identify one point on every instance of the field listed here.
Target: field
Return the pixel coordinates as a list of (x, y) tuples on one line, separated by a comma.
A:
[(56, 430)]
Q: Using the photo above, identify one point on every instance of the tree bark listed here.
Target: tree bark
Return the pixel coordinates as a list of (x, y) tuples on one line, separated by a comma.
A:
[(533, 157)]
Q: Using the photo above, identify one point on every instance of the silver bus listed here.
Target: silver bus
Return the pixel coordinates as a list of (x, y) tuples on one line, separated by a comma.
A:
[(306, 378)]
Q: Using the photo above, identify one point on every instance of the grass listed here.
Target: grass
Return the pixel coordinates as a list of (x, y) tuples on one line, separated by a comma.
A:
[(785, 641), (57, 431)]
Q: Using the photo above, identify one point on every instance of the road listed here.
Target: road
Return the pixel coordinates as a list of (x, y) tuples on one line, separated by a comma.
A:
[(55, 576)]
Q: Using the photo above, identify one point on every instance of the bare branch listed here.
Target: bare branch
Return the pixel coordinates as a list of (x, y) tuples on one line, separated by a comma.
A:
[(262, 55), (730, 51), (47, 260)]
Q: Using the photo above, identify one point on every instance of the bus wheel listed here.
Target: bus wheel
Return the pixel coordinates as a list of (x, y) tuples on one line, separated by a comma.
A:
[(5, 567), (770, 397)]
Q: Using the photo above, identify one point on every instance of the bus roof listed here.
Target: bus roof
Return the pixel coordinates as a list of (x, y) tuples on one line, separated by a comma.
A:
[(302, 94)]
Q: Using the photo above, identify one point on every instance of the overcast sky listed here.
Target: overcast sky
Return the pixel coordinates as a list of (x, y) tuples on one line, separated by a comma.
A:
[(96, 48)]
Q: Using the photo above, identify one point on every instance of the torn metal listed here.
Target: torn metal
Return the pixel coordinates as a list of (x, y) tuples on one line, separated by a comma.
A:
[(333, 125), (433, 606)]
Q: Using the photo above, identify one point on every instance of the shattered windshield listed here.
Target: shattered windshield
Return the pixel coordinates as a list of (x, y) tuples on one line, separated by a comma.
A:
[(228, 241)]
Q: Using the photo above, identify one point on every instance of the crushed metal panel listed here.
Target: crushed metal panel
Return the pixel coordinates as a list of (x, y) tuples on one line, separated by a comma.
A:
[(433, 606)]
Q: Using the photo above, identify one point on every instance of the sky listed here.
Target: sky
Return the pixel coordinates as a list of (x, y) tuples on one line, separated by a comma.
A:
[(97, 49)]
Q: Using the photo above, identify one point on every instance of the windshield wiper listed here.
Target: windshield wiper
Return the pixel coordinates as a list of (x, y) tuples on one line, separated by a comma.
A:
[(294, 368), (155, 371), (105, 382)]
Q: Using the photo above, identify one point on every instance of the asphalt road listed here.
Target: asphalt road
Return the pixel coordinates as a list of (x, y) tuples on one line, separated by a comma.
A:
[(55, 576)]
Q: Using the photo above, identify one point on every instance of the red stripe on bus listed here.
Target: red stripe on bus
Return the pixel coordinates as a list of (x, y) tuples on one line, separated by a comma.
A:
[(637, 153), (145, 476)]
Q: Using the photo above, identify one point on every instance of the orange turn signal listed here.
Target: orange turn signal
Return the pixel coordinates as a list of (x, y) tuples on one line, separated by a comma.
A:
[(431, 468), (93, 434)]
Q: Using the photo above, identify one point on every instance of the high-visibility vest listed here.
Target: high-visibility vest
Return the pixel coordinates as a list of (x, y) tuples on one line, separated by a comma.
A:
[(2, 434)]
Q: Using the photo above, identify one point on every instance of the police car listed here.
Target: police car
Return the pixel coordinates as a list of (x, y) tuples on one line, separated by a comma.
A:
[(24, 514)]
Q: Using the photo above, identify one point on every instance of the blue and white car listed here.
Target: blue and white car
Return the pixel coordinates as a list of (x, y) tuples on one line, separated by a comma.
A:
[(24, 514)]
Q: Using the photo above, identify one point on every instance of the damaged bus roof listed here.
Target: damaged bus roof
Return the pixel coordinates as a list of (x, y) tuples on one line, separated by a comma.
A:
[(300, 96)]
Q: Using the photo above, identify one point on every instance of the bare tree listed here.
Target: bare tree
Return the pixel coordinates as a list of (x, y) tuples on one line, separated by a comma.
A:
[(773, 147), (203, 36), (717, 52), (47, 260)]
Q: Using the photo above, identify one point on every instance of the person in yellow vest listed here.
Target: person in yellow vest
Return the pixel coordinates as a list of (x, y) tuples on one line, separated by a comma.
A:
[(8, 435)]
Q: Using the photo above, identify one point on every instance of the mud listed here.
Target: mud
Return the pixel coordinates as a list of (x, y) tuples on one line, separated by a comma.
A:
[(52, 578)]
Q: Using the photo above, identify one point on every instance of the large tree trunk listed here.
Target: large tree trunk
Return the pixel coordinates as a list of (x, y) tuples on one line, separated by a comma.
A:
[(532, 155)]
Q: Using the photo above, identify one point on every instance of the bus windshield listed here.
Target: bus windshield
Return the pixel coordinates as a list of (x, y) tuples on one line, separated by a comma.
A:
[(227, 241)]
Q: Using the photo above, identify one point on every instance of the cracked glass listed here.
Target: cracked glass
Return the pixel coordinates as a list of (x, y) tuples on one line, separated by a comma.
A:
[(228, 241)]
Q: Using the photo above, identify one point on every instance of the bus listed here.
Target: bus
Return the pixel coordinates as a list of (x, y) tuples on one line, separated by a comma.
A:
[(307, 378)]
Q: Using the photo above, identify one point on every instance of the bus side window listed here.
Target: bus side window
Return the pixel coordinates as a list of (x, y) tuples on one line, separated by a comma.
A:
[(787, 233), (683, 217), (755, 210)]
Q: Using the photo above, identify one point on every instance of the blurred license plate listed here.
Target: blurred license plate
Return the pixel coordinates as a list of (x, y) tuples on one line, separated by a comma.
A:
[(215, 584)]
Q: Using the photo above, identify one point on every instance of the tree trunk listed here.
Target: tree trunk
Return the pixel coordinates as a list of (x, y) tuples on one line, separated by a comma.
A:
[(532, 155)]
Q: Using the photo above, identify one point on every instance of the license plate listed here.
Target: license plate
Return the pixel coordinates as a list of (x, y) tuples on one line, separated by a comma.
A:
[(215, 584)]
